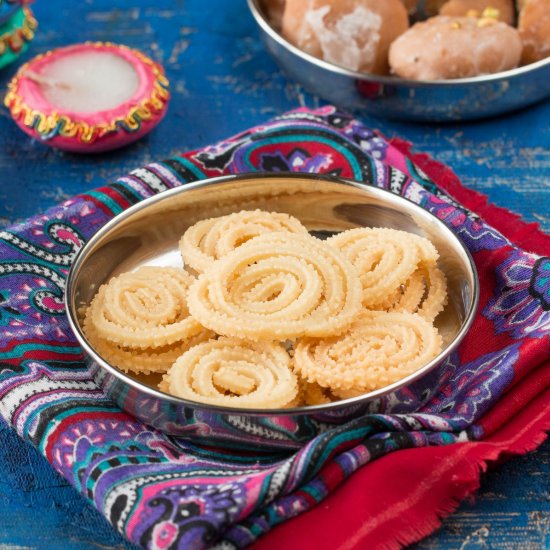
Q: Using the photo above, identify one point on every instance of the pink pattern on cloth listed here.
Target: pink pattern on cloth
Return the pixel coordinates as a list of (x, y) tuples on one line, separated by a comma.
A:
[(160, 491)]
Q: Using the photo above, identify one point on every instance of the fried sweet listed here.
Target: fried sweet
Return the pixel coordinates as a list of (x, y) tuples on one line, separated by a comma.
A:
[(534, 29), (455, 47), (520, 4), (355, 34), (411, 5)]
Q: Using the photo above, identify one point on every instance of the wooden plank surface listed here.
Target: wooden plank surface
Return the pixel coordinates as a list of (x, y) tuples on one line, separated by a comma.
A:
[(222, 82)]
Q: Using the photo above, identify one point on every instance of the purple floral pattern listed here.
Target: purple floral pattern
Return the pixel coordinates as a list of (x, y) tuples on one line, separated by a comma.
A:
[(163, 492), (519, 306)]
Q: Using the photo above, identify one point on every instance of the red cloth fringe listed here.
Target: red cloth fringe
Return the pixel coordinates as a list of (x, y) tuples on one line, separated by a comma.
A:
[(527, 236), (401, 498)]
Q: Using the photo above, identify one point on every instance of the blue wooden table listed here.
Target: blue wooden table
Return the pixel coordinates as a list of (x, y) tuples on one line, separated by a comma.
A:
[(222, 81)]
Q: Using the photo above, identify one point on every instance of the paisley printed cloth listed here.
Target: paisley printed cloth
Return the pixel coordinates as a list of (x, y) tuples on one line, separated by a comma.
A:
[(162, 492)]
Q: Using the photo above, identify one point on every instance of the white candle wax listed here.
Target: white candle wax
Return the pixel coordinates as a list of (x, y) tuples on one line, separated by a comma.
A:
[(87, 82)]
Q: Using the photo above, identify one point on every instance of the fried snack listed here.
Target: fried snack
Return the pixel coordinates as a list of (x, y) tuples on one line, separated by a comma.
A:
[(534, 29), (278, 286), (144, 309), (141, 361), (436, 298), (385, 260), (409, 295), (455, 47), (355, 34), (379, 349), (503, 10), (314, 394), (281, 319), (211, 239), (310, 394), (425, 293), (234, 373)]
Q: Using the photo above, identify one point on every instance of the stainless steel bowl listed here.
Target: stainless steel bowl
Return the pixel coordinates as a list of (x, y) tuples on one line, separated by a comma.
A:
[(148, 234), (392, 97)]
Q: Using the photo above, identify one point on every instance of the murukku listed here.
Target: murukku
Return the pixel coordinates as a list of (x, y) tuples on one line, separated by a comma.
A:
[(408, 296), (310, 394), (379, 349), (144, 309), (276, 318), (385, 259), (314, 394), (211, 239), (278, 286), (234, 373), (141, 361), (425, 293), (436, 297)]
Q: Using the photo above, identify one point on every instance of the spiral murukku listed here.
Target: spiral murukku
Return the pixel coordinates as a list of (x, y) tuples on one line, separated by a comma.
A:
[(276, 318), (425, 293), (141, 361), (436, 297), (385, 259), (234, 373), (211, 239), (278, 286), (144, 309), (379, 349)]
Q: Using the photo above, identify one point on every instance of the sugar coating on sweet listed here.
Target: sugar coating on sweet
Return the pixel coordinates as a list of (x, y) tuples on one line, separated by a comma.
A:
[(87, 82), (355, 34), (352, 41)]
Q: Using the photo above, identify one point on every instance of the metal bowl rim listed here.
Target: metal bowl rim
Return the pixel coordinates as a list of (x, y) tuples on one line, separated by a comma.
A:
[(389, 80), (80, 259)]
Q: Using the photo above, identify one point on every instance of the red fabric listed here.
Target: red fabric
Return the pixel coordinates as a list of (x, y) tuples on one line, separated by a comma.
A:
[(411, 490), (526, 235)]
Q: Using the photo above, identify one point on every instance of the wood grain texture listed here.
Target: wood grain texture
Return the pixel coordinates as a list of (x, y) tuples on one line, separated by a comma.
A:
[(222, 82)]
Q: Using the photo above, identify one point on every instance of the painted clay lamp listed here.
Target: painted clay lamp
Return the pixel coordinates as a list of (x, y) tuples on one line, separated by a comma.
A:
[(88, 97)]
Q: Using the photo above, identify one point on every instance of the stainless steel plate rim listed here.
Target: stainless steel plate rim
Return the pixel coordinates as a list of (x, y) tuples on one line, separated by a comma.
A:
[(71, 307), (380, 79)]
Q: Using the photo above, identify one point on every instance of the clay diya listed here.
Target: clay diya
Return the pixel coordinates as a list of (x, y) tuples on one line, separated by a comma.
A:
[(88, 97)]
